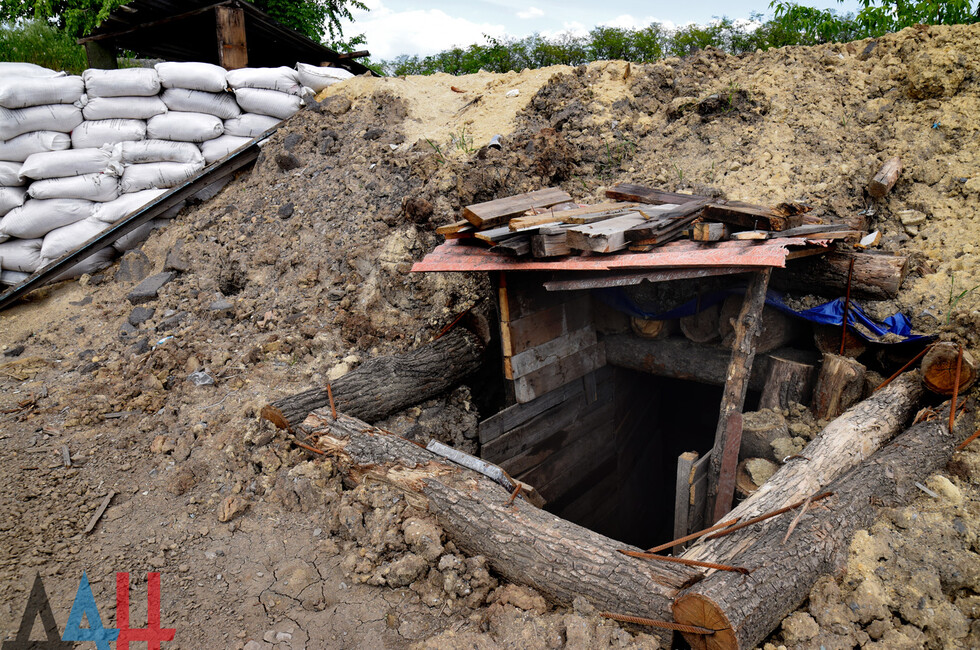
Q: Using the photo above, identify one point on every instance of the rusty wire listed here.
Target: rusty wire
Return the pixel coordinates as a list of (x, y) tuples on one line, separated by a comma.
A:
[(663, 625)]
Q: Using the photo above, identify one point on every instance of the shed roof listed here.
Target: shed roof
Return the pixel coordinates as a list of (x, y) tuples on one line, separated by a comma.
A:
[(185, 30)]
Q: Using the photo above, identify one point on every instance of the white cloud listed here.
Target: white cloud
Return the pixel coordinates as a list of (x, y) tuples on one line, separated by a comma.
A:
[(574, 28), (531, 12), (417, 31)]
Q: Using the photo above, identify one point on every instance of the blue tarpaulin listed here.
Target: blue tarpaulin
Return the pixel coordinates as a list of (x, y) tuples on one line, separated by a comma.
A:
[(829, 313)]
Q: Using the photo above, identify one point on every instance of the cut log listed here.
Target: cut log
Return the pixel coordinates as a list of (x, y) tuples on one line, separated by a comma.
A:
[(386, 385), (702, 326), (759, 429), (840, 384), (939, 369), (492, 214), (788, 381), (843, 444), (728, 434), (744, 609), (827, 339), (522, 543), (885, 179), (653, 329), (776, 329), (876, 276), (678, 358)]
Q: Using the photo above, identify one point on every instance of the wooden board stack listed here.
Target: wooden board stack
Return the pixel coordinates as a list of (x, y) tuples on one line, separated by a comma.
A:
[(547, 223)]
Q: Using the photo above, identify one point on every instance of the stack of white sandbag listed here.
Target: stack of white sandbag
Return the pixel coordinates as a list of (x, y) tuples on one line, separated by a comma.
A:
[(268, 95), (116, 105), (316, 78), (37, 111)]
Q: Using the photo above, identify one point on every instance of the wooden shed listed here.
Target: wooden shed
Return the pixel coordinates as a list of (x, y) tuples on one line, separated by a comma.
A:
[(233, 34)]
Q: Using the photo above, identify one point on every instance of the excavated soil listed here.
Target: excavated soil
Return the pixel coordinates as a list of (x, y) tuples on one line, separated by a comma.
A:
[(299, 271)]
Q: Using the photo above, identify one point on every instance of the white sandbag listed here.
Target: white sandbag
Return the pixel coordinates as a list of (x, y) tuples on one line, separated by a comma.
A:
[(221, 105), (21, 92), (75, 162), (22, 255), (127, 82), (19, 69), (52, 117), (123, 108), (125, 205), (163, 174), (319, 77), (92, 187), (138, 236), (20, 148), (10, 174), (268, 102), (12, 277), (221, 147), (283, 79), (184, 127), (11, 197), (39, 217), (101, 132), (195, 76), (250, 125), (67, 238), (91, 264), (151, 151)]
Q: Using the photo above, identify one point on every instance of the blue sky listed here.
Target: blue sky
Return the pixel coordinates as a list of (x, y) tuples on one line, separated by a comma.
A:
[(395, 27)]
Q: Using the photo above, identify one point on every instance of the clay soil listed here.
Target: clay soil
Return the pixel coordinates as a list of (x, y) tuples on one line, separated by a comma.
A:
[(299, 270)]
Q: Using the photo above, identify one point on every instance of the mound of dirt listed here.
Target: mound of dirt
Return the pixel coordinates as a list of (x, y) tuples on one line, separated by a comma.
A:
[(299, 270)]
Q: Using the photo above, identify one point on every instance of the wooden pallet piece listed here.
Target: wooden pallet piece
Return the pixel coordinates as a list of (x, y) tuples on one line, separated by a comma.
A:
[(642, 194), (492, 214), (606, 236), (564, 216), (666, 219)]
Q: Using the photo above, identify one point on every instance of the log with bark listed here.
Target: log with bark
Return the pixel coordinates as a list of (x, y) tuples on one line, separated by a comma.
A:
[(775, 331), (702, 326), (939, 369), (522, 543), (744, 609), (844, 443), (388, 384), (875, 276), (788, 381), (840, 384)]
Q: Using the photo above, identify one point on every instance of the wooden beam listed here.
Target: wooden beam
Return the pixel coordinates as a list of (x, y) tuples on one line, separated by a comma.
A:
[(724, 453), (682, 493), (232, 44), (492, 214), (153, 23), (358, 54)]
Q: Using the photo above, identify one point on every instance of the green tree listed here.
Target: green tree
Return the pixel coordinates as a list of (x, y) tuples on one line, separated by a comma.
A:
[(314, 18), (37, 41)]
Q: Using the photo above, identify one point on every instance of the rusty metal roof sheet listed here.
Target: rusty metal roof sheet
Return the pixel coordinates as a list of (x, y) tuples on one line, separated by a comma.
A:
[(739, 256)]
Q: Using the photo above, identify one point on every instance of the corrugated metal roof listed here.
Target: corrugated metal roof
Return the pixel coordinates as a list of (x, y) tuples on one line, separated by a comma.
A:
[(740, 256), (185, 30)]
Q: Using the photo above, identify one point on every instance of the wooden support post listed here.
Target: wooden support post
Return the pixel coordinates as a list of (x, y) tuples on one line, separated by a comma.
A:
[(101, 55), (232, 45), (682, 493), (725, 452)]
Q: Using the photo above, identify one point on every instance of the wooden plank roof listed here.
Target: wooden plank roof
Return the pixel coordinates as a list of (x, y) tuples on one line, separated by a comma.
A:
[(185, 30)]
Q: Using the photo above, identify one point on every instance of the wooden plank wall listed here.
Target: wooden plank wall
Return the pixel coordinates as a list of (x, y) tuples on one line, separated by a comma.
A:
[(548, 338), (562, 442)]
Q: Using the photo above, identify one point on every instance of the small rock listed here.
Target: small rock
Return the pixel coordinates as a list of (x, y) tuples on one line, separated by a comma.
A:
[(15, 351), (182, 450), (337, 105), (406, 569), (231, 507), (255, 645), (147, 290), (373, 133), (126, 330), (945, 488), (140, 347), (140, 315), (286, 211), (176, 259), (221, 307), (161, 444), (288, 162), (173, 321), (291, 141), (133, 267), (521, 597), (799, 627), (786, 446)]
